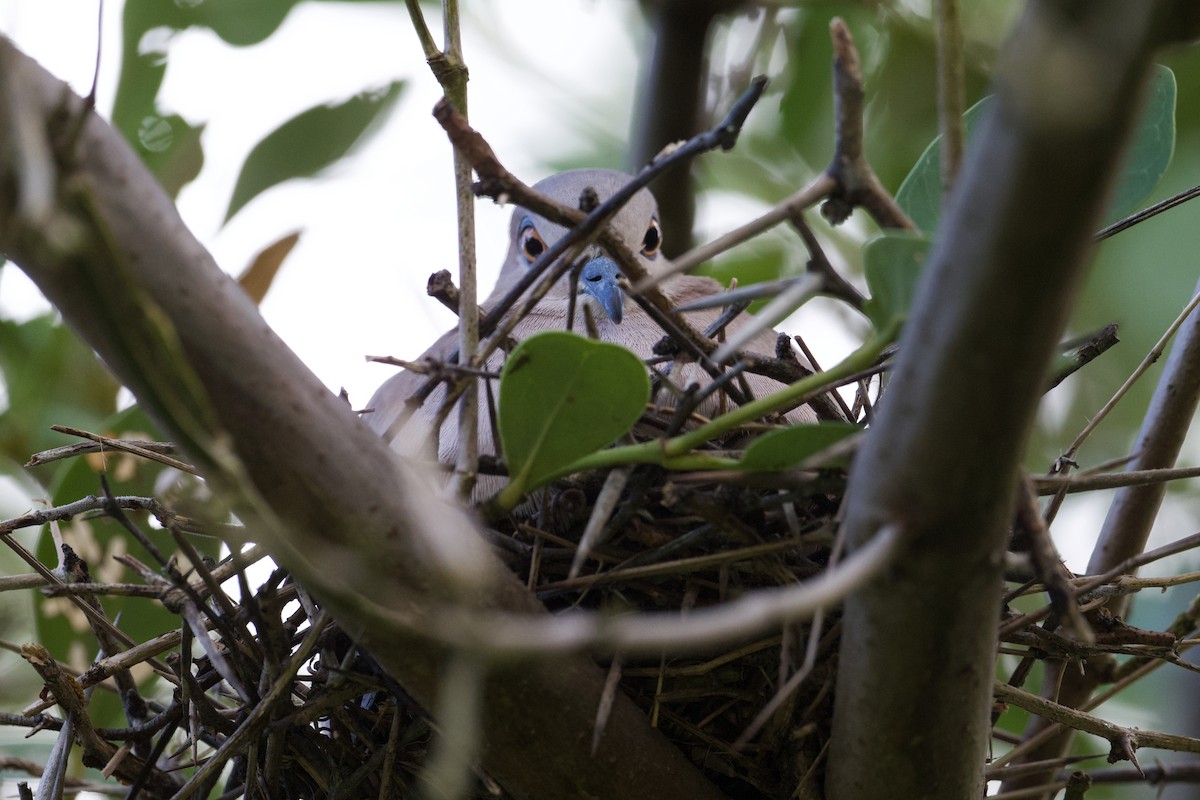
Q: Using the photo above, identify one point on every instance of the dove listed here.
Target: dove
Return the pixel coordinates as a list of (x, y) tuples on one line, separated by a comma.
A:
[(617, 317)]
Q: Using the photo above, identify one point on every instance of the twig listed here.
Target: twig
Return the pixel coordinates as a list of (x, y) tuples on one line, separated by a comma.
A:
[(1176, 396), (1124, 740), (1084, 352), (97, 752), (1093, 582), (1155, 353), (125, 445), (84, 448), (856, 182), (1053, 484), (774, 312), (440, 287), (450, 70), (259, 716), (951, 94), (1147, 213), (1049, 564), (820, 187)]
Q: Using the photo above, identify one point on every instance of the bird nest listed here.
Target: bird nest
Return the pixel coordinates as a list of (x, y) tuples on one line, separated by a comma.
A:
[(754, 714)]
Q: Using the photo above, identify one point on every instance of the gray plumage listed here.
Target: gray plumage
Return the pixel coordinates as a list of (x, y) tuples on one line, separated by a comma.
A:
[(618, 319)]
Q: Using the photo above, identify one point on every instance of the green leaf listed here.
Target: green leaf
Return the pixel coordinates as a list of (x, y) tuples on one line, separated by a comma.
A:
[(309, 142), (762, 259), (562, 397), (1150, 151), (892, 264), (171, 149), (49, 377), (920, 195), (239, 22), (787, 448)]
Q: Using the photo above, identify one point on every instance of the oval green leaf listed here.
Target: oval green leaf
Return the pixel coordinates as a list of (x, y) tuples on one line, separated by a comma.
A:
[(892, 264), (1149, 155), (789, 447), (562, 397), (1150, 151), (920, 194), (309, 142)]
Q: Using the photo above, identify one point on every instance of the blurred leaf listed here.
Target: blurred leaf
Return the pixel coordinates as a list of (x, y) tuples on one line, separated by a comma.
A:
[(242, 23), (893, 264), (257, 278), (787, 448), (1150, 151), (236, 21), (806, 104), (170, 148), (148, 27), (765, 258), (50, 377), (561, 397), (921, 193), (1146, 161), (309, 142)]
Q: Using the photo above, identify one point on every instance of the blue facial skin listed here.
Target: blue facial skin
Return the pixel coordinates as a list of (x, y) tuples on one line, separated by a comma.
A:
[(599, 279)]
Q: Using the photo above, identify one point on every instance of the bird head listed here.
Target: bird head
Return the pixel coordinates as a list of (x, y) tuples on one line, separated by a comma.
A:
[(531, 234)]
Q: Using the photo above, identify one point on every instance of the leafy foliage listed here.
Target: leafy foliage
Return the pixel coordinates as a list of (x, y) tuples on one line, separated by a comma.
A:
[(309, 142), (1146, 162), (49, 377), (169, 144)]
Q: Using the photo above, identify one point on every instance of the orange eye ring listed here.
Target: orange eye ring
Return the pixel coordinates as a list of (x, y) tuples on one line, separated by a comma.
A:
[(531, 243), (652, 240)]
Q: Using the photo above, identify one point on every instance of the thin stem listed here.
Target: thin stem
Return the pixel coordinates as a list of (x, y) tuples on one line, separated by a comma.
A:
[(951, 95)]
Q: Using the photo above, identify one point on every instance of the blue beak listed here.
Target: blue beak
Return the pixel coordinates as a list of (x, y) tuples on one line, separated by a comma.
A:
[(599, 279)]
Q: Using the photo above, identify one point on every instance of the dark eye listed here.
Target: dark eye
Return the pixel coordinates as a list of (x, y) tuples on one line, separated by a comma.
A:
[(652, 240), (531, 243)]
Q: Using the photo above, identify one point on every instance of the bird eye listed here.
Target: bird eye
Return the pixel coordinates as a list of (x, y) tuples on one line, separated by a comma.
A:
[(652, 240), (531, 243)]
